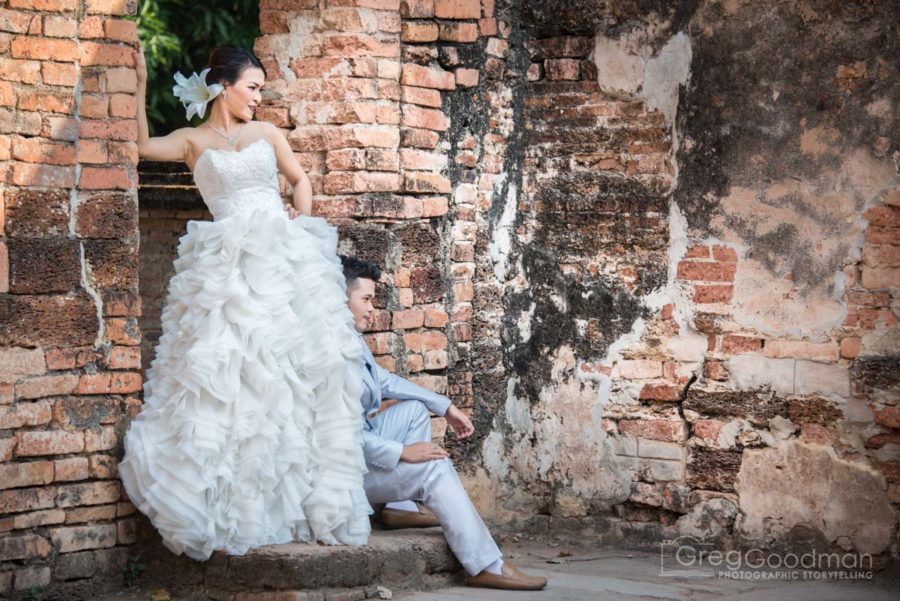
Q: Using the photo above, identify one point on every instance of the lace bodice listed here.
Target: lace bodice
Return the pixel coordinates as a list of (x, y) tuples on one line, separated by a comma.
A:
[(233, 181)]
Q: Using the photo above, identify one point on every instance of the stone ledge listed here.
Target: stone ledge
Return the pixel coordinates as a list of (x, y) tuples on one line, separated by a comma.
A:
[(395, 560)]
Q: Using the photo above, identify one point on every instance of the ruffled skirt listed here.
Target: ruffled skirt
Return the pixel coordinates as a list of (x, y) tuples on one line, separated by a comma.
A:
[(251, 429)]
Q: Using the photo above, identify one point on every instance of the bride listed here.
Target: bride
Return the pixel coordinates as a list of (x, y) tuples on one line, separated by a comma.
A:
[(250, 432)]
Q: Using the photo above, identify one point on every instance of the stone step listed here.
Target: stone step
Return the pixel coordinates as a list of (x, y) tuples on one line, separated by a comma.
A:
[(394, 560)]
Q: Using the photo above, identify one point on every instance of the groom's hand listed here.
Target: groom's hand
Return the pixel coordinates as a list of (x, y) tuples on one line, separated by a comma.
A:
[(421, 452), (458, 422)]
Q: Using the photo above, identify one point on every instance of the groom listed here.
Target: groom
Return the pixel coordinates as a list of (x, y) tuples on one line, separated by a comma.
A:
[(404, 465)]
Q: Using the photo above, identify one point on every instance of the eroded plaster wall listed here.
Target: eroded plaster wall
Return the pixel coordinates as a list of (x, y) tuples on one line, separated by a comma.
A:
[(699, 277)]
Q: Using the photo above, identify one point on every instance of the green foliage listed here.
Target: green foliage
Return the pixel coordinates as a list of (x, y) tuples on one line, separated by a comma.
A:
[(178, 36), (133, 568)]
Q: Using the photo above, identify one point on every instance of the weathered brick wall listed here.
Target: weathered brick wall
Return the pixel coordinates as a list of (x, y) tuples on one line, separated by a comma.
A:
[(69, 300), (635, 330), (652, 254)]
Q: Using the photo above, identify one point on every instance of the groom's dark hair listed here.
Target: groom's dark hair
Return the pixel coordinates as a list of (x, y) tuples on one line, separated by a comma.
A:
[(355, 268)]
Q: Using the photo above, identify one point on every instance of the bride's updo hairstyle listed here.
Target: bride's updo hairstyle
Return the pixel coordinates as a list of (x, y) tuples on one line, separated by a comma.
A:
[(227, 62)]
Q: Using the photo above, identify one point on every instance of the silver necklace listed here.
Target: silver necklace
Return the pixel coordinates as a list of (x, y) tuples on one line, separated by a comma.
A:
[(230, 139)]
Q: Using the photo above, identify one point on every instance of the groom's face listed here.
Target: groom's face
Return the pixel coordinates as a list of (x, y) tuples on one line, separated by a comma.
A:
[(361, 293)]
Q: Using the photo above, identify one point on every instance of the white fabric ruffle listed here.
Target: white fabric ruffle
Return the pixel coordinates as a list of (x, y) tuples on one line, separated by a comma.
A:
[(251, 428)]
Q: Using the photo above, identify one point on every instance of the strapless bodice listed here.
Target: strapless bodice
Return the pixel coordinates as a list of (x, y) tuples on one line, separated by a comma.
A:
[(234, 181)]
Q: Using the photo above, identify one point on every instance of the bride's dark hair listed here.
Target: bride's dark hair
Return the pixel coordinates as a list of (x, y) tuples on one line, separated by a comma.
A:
[(227, 62)]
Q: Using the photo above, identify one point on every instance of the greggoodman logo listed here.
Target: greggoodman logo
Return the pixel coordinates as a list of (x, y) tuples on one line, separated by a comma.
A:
[(689, 557)]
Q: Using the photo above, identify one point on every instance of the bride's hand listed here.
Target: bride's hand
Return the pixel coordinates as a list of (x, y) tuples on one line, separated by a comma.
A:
[(292, 212), (140, 65)]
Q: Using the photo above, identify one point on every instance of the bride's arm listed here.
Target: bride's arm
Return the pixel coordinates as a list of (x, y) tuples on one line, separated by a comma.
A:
[(172, 147), (292, 171)]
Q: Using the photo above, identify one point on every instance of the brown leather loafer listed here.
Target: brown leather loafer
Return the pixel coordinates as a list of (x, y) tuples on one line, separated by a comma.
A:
[(511, 579), (395, 519)]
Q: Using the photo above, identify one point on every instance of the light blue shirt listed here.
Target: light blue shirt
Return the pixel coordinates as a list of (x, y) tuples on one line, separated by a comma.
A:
[(379, 383)]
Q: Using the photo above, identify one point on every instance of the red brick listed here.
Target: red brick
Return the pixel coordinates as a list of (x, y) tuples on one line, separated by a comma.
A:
[(25, 546), (43, 176), (51, 442), (414, 116), (27, 499), (123, 105), (124, 357), (467, 78), (91, 28), (94, 106), (427, 77), (79, 538), (93, 152), (654, 429), (707, 429), (715, 370), (697, 251), (381, 343), (883, 216), (435, 317), (41, 48), (121, 30), (659, 392), (850, 347), (39, 518), (91, 493), (741, 344), (488, 27), (7, 446), (25, 414), (20, 71), (32, 473), (45, 386), (724, 253), (458, 32), (341, 182), (7, 98), (879, 440), (40, 150), (706, 271), (419, 138), (59, 74), (421, 96), (72, 468), (60, 27), (104, 467), (408, 319), (421, 181), (888, 417), (889, 469), (562, 69), (107, 178), (419, 31), (425, 341), (120, 79), (112, 382), (100, 513), (457, 9), (111, 7), (704, 294), (125, 130), (123, 152), (70, 358), (100, 439), (435, 206), (417, 9)]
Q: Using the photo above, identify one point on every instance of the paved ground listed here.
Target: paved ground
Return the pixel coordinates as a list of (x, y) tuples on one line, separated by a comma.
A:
[(617, 575)]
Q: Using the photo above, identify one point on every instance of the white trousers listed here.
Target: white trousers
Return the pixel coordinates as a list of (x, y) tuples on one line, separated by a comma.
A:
[(435, 483)]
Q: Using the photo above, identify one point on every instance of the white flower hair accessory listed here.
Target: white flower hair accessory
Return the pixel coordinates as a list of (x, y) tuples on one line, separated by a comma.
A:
[(194, 93)]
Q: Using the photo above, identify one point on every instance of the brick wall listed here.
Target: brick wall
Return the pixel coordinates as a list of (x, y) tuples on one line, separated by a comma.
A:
[(69, 354), (622, 361)]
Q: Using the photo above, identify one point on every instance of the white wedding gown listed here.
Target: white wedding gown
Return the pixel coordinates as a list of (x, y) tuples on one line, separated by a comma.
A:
[(251, 431)]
